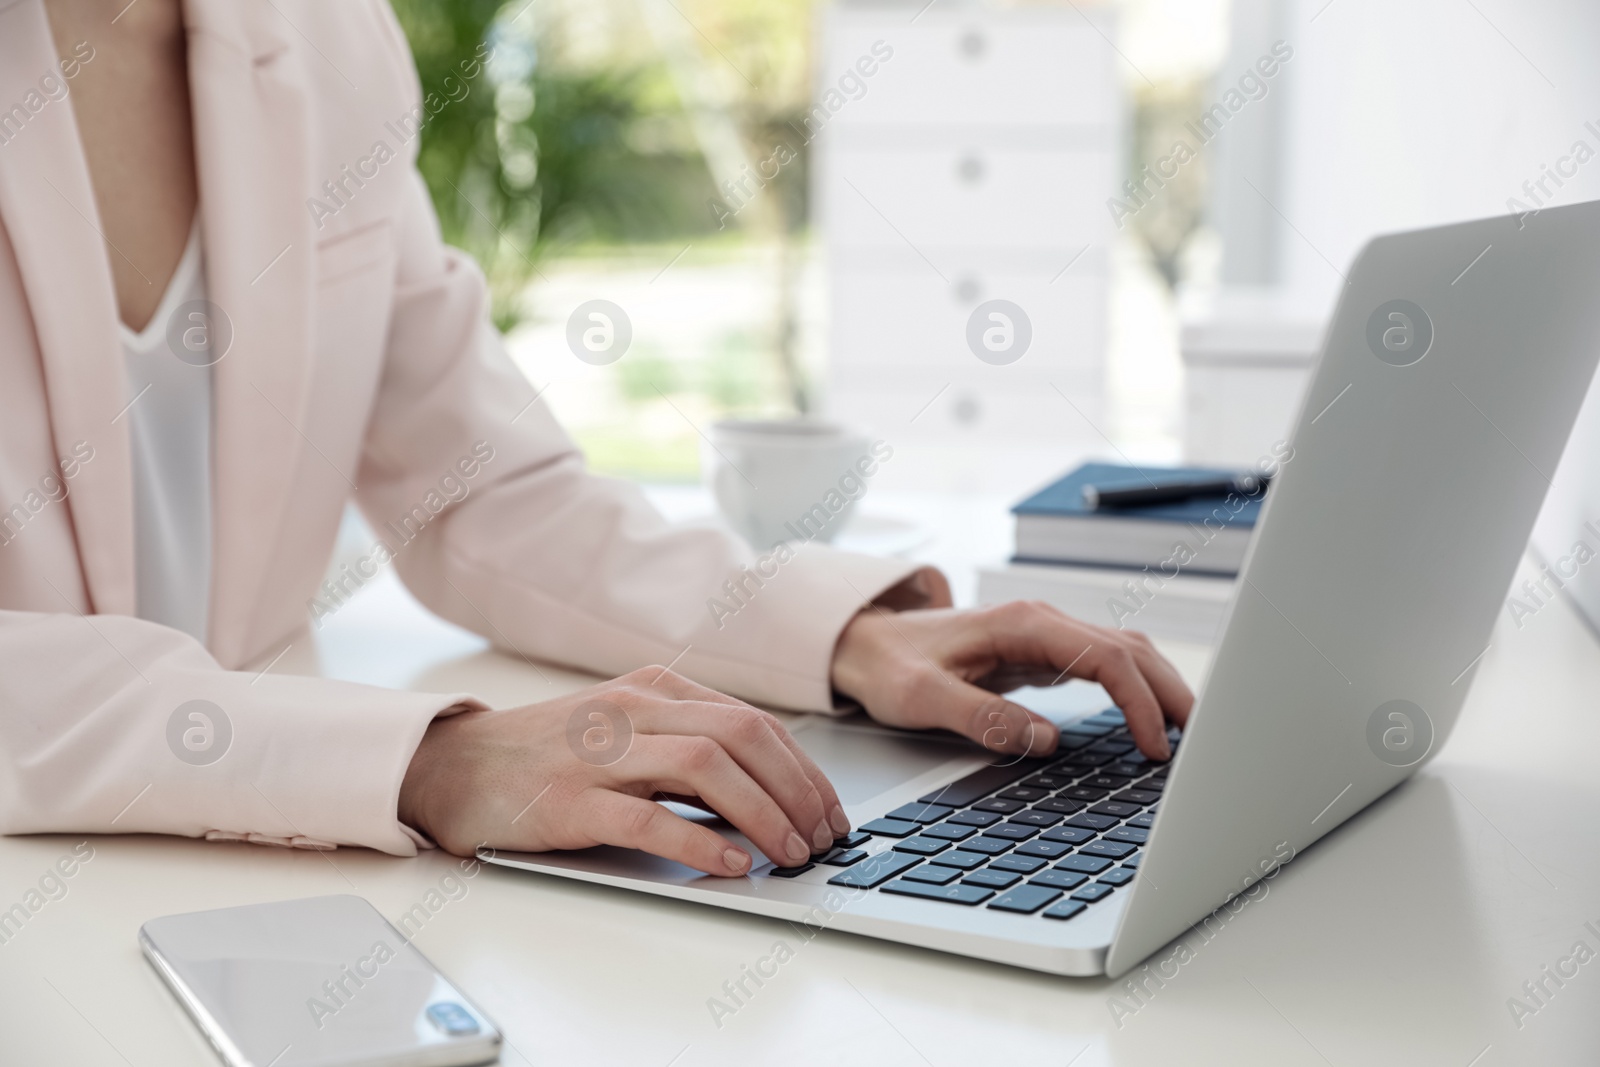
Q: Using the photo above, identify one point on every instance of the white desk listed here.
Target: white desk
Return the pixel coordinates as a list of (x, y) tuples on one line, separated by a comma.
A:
[(1397, 940)]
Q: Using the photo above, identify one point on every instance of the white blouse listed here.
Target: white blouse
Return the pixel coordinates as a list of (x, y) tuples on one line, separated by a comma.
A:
[(170, 425)]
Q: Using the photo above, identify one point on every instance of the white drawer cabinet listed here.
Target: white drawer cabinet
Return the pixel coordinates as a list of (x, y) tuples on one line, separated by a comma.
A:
[(973, 164), (915, 318), (976, 405), (969, 197), (1027, 67)]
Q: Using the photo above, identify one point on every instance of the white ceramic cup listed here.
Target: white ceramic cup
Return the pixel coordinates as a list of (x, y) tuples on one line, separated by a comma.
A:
[(787, 479)]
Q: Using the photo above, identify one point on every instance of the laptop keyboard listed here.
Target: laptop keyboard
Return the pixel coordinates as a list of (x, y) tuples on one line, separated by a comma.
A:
[(1040, 836)]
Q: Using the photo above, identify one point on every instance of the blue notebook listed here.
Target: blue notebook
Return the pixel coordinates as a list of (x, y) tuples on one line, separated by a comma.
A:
[(1201, 535)]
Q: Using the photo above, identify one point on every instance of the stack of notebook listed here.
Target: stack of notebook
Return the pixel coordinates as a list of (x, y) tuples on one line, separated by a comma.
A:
[(1167, 568)]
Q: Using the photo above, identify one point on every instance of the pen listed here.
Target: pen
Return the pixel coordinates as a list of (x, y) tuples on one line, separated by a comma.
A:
[(1171, 490)]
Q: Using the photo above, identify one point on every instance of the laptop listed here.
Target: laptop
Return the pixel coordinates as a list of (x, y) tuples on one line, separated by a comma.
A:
[(1566, 537), (1449, 381)]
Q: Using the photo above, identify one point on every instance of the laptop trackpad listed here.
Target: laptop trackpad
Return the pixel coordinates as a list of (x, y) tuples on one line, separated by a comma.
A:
[(864, 761)]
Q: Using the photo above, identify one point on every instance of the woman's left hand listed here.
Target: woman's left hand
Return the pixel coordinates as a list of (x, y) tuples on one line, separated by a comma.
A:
[(943, 667)]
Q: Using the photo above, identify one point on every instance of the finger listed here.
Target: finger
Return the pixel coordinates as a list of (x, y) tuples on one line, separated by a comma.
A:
[(700, 766), (1034, 633), (686, 689), (629, 822), (995, 723), (751, 737), (1176, 698), (1112, 663), (838, 821)]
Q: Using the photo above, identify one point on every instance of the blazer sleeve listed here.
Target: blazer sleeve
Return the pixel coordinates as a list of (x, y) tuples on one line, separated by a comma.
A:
[(495, 524), (111, 724)]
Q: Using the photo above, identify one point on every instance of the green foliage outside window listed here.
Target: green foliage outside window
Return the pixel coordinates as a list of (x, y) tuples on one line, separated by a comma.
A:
[(536, 154)]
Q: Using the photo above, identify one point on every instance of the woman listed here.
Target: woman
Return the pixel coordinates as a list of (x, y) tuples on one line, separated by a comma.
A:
[(197, 371)]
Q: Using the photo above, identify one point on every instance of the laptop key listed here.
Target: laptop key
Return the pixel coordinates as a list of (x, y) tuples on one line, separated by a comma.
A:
[(921, 846), (1093, 892), (1067, 909), (1025, 899), (999, 804), (1114, 849), (891, 827), (950, 831), (844, 857), (1117, 876), (1116, 748), (954, 894), (1136, 796), (1017, 862), (980, 783), (920, 812), (1084, 793), (875, 870), (1106, 781), (1059, 879), (1081, 864), (1036, 818), (1072, 835), (1085, 758), (1153, 785), (1048, 849), (790, 872), (974, 818), (989, 846), (960, 859), (933, 875), (1091, 821), (854, 839), (1060, 805), (1010, 831), (1133, 861), (1087, 728), (1112, 807), (1143, 822), (1024, 793), (993, 879), (1133, 835), (1048, 782)]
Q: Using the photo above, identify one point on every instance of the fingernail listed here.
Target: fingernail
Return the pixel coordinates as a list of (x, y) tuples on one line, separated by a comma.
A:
[(796, 849), (822, 837), (1165, 750), (736, 860), (837, 820)]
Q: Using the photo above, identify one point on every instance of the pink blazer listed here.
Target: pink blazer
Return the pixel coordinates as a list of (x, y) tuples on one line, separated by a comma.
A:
[(362, 365)]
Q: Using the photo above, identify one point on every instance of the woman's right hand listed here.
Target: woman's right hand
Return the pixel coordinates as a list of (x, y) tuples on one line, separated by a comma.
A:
[(586, 769)]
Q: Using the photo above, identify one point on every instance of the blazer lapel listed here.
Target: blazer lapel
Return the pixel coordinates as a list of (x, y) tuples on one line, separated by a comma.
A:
[(48, 206), (251, 122)]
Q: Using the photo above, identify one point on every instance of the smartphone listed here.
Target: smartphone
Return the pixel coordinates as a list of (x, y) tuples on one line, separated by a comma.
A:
[(319, 982)]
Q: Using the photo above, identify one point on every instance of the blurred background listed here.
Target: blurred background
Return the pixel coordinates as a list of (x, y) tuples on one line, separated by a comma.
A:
[(1170, 189), (664, 154)]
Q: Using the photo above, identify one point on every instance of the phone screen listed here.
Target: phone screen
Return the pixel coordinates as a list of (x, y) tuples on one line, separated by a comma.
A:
[(324, 980)]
